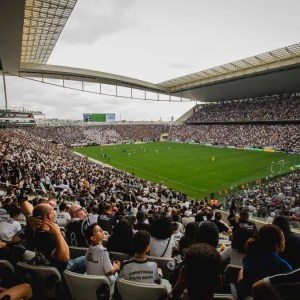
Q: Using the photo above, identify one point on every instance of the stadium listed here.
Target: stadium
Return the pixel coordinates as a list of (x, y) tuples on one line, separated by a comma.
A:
[(232, 151)]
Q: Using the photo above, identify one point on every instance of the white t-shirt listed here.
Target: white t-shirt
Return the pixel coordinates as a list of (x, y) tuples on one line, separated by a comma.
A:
[(157, 247), (8, 228), (97, 262), (63, 218), (145, 272)]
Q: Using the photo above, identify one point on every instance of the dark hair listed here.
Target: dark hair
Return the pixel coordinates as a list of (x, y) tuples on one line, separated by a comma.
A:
[(121, 238), (14, 211), (140, 241), (218, 216), (207, 232), (199, 217), (203, 267), (283, 223), (89, 232), (161, 228), (269, 236), (62, 206), (239, 238)]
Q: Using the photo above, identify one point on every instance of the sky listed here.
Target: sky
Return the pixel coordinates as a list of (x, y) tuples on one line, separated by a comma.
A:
[(154, 41)]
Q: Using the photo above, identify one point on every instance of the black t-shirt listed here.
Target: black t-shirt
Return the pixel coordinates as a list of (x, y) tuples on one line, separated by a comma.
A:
[(44, 248), (107, 222), (221, 227), (75, 233), (249, 225)]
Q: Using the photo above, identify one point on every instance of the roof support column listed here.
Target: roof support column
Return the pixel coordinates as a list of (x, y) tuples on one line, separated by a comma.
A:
[(4, 88)]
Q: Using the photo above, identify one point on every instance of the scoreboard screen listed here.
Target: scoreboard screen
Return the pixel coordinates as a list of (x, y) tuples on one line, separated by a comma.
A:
[(89, 117)]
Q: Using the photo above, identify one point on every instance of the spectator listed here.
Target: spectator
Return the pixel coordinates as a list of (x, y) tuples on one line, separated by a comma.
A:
[(281, 286), (292, 242), (236, 251), (139, 268), (107, 220), (97, 258), (49, 244), (121, 238), (262, 259), (162, 241), (75, 229), (201, 274), (243, 222)]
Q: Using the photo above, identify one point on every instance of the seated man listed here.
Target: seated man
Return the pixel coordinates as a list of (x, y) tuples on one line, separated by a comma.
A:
[(10, 227), (200, 275), (281, 286), (97, 260), (139, 268), (49, 245), (107, 220), (75, 229)]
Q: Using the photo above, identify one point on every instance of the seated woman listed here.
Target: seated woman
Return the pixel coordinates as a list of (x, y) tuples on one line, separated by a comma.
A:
[(236, 251), (189, 237), (162, 240), (262, 259), (121, 238)]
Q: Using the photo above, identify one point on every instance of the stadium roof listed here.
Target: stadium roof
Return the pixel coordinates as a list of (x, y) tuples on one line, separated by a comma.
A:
[(26, 47)]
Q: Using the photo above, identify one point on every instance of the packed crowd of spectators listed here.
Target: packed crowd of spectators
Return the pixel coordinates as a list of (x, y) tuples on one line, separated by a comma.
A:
[(277, 196), (281, 137), (269, 109), (121, 204), (100, 134)]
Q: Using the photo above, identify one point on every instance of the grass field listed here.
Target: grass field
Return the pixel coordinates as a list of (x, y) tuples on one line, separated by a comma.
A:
[(190, 168)]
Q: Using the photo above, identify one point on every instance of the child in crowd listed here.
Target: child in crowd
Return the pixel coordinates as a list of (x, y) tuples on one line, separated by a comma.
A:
[(97, 260), (139, 268)]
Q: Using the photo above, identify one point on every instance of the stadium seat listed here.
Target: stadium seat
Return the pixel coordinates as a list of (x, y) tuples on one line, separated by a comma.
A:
[(7, 272), (231, 276), (167, 265), (46, 281), (86, 286), (77, 251), (118, 256), (130, 290), (216, 296)]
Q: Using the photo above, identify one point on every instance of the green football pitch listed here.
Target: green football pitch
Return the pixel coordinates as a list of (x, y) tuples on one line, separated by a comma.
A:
[(193, 169)]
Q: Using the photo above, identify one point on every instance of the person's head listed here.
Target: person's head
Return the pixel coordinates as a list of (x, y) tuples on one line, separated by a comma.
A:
[(218, 216), (140, 216), (161, 228), (94, 234), (175, 226), (239, 238), (15, 212), (44, 211), (62, 206), (283, 223), (77, 212), (270, 239), (244, 216), (108, 209), (190, 230), (207, 232), (123, 230), (199, 217), (202, 271), (141, 242)]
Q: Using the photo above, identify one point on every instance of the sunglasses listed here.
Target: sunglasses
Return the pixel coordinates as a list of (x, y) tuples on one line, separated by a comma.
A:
[(78, 210)]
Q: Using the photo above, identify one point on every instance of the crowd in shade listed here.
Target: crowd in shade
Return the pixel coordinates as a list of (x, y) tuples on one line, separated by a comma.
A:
[(267, 109), (100, 134), (43, 182)]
